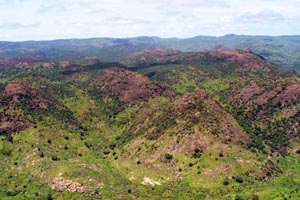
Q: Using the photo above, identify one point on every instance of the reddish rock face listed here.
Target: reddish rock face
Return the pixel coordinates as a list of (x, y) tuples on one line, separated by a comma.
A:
[(245, 94), (288, 94), (247, 62), (276, 93), (243, 60), (130, 87), (15, 89), (10, 124), (233, 55), (230, 130), (195, 117), (272, 99)]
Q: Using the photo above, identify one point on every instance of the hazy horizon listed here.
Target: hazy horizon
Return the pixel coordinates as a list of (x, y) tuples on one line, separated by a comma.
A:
[(67, 19), (180, 38)]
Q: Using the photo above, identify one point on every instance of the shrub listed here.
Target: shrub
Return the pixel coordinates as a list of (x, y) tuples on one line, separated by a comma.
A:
[(112, 146), (226, 181), (11, 192), (254, 197), (238, 197), (197, 153), (238, 179), (49, 197), (106, 151), (54, 158), (168, 156), (97, 191)]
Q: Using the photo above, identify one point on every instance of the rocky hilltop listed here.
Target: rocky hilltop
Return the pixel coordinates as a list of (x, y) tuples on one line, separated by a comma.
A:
[(221, 124)]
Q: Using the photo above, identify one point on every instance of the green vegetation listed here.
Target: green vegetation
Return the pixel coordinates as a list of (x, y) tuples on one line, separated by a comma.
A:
[(195, 128)]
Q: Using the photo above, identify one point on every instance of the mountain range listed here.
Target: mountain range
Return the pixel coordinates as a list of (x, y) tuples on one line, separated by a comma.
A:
[(150, 118), (281, 50)]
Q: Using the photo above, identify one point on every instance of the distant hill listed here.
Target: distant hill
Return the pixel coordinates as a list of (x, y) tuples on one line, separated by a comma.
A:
[(281, 50)]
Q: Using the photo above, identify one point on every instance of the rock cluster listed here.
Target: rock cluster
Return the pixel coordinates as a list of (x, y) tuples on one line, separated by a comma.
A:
[(62, 184)]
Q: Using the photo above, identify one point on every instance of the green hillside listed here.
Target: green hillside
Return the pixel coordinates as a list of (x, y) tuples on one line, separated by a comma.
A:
[(161, 124)]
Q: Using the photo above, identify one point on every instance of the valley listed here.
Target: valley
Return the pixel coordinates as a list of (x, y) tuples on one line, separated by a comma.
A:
[(147, 123)]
